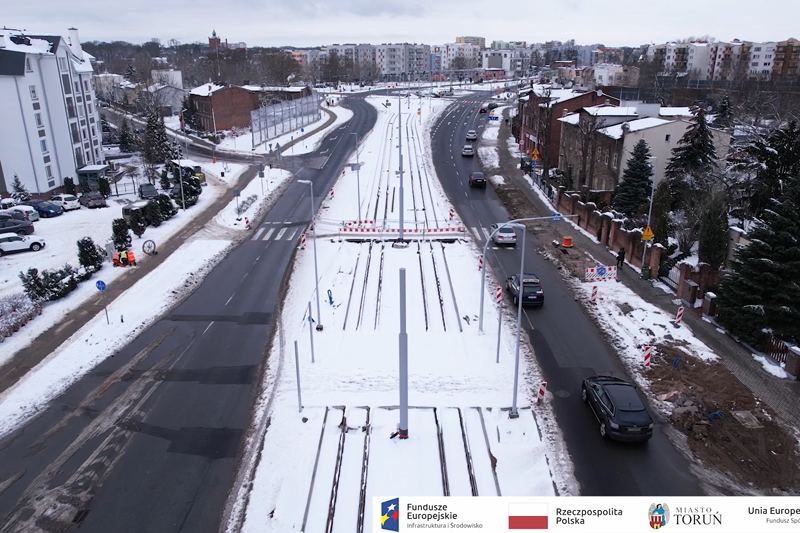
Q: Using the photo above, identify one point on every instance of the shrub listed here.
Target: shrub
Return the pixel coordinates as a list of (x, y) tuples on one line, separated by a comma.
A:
[(152, 214), (119, 230), (69, 186), (33, 285), (104, 187), (51, 284), (167, 208), (90, 255), (16, 310), (245, 204)]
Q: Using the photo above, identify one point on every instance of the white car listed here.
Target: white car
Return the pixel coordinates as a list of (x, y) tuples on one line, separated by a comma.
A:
[(19, 243), (30, 212), (472, 135), (506, 235), (467, 151), (66, 201)]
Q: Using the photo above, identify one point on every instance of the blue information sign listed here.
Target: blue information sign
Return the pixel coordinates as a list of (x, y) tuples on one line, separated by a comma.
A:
[(101, 286), (556, 217)]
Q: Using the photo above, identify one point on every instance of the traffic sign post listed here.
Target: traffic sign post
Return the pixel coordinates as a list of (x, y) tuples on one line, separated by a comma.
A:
[(556, 217), (647, 235), (101, 286)]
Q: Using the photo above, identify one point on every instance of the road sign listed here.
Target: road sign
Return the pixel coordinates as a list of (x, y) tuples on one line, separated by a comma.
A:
[(101, 286), (535, 153), (302, 130), (556, 217), (534, 157), (237, 192), (534, 163), (648, 234)]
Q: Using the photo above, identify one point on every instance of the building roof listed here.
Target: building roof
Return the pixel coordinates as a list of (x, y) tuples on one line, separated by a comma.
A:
[(611, 111), (615, 131), (675, 112), (36, 44), (93, 168), (259, 88), (206, 89), (572, 118)]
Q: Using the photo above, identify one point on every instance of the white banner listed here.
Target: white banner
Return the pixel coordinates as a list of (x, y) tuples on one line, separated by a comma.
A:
[(601, 273), (635, 514)]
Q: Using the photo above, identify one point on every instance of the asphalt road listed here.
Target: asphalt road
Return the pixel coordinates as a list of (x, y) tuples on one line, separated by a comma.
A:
[(567, 345), (149, 440)]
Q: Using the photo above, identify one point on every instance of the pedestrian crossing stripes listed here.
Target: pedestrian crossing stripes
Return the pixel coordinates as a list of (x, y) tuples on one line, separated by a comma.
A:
[(277, 234), (257, 234)]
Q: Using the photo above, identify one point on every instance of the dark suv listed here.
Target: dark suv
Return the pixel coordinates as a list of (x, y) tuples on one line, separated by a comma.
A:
[(93, 199), (148, 191), (618, 408), (532, 292), (477, 179), (12, 225)]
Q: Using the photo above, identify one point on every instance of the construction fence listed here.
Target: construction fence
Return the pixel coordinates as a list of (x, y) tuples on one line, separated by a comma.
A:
[(275, 120)]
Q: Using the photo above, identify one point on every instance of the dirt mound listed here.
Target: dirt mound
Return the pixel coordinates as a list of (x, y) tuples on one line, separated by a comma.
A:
[(727, 427)]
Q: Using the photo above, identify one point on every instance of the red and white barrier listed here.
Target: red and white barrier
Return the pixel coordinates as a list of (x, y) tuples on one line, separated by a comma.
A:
[(342, 172), (601, 273), (452, 212), (647, 352), (542, 389), (331, 193), (679, 316), (594, 294), (303, 241), (480, 262), (246, 223), (499, 296)]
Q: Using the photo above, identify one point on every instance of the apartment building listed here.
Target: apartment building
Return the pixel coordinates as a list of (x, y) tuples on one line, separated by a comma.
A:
[(787, 57), (48, 109), (480, 42), (470, 52)]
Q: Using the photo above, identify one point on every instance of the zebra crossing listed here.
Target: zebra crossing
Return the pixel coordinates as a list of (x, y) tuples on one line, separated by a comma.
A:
[(282, 231), (482, 235)]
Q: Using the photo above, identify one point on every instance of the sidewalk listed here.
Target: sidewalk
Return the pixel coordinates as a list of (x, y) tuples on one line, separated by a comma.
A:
[(58, 333), (782, 395)]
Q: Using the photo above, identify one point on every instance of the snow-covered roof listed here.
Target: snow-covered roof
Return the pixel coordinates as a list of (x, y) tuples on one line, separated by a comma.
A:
[(206, 89), (572, 118), (92, 168), (675, 112), (36, 46), (611, 111), (258, 88), (185, 162), (615, 131)]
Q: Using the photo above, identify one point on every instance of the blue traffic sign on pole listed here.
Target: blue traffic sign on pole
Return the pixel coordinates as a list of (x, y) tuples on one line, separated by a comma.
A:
[(556, 217), (101, 286), (302, 130)]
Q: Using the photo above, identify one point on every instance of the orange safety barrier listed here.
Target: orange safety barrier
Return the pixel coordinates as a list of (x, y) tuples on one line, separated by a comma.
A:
[(567, 242)]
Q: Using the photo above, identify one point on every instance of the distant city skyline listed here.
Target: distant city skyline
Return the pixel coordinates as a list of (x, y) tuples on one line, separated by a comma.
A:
[(308, 23)]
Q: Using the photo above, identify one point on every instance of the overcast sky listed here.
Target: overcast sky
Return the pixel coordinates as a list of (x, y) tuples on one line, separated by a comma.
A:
[(321, 22)]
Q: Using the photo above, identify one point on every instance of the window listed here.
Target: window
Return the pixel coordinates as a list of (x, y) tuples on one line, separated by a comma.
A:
[(80, 110), (42, 133), (32, 88), (65, 82), (757, 49), (86, 85), (667, 137), (766, 64), (46, 159), (79, 157), (93, 133), (77, 88), (62, 64), (43, 144), (36, 106), (605, 157), (78, 98), (614, 161), (38, 118), (70, 108), (754, 64), (90, 109), (48, 172), (28, 66)]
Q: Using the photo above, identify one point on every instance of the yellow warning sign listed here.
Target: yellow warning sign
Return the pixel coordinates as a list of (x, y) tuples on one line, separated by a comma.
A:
[(535, 152), (534, 157), (648, 234)]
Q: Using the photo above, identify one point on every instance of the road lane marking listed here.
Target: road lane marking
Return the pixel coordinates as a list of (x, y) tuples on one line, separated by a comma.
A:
[(211, 324), (280, 234), (257, 235), (268, 234), (292, 232), (485, 232), (229, 299)]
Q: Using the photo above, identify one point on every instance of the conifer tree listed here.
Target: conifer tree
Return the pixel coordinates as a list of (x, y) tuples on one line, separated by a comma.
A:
[(167, 208), (693, 162), (157, 146), (724, 118), (660, 222), (152, 214), (127, 141), (761, 294), (712, 239), (137, 223), (19, 191), (633, 195), (69, 186), (90, 255), (119, 231)]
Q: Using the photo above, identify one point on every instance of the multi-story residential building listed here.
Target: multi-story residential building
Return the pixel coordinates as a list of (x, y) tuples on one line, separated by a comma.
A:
[(787, 57), (508, 45), (470, 52), (756, 59), (694, 58), (48, 109), (480, 42), (435, 65), (584, 56), (540, 108), (392, 60)]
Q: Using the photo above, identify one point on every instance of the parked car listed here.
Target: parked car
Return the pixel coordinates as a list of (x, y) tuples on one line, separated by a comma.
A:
[(30, 213), (93, 199), (147, 191), (618, 408), (492, 105), (19, 243), (7, 203), (477, 179), (505, 235), (472, 135), (532, 292), (13, 214), (66, 201), (45, 209), (12, 225), (128, 210), (467, 151)]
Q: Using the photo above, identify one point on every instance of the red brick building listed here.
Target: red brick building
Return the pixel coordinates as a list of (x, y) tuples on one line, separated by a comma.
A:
[(540, 110), (219, 107)]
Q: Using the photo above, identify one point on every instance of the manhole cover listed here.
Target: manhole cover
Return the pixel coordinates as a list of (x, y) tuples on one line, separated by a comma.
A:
[(561, 393), (747, 419)]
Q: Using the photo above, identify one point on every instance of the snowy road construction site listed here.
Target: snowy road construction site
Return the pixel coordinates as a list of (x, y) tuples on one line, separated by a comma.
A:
[(324, 456)]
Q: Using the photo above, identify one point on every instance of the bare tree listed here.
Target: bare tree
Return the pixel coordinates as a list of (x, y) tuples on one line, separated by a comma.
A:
[(542, 126), (588, 126)]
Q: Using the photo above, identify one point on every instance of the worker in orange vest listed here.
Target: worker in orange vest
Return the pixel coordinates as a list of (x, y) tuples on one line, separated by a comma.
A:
[(131, 258)]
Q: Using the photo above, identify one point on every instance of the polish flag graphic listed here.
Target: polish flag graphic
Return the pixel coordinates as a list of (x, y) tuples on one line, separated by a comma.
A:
[(527, 516)]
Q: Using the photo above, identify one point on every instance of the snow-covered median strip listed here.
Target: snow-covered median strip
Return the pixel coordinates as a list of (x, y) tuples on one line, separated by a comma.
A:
[(269, 186), (141, 305)]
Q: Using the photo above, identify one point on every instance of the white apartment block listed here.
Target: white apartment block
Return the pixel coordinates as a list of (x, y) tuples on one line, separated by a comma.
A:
[(761, 60), (471, 52), (391, 60), (51, 125)]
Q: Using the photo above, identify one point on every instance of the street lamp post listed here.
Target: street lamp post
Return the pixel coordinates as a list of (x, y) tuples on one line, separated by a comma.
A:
[(316, 271), (514, 413), (650, 211), (400, 242), (358, 177)]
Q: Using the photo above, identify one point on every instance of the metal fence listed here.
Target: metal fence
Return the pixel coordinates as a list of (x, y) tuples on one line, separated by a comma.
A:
[(672, 277), (275, 120)]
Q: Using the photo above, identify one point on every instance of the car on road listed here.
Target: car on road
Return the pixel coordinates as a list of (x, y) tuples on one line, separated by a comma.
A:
[(147, 191), (472, 135), (532, 292), (467, 151), (618, 408), (93, 199), (477, 179), (503, 234), (19, 243), (484, 109), (12, 225), (45, 209), (492, 105), (67, 202), (29, 212)]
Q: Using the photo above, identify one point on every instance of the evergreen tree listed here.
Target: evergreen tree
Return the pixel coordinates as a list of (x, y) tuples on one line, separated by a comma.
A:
[(152, 214), (130, 73), (774, 159), (712, 239), (188, 113), (69, 186), (90, 255), (19, 191), (167, 208), (119, 230), (633, 195), (724, 118), (127, 141), (157, 147), (761, 294), (104, 187), (660, 221), (33, 285), (138, 224), (690, 169), (164, 182)]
